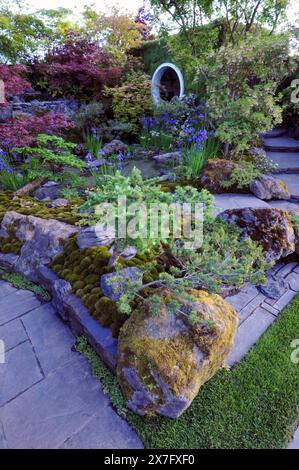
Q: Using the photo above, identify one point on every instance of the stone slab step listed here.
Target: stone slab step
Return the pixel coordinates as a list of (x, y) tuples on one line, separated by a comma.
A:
[(291, 207), (292, 182), (288, 162), (274, 133), (236, 201), (281, 144)]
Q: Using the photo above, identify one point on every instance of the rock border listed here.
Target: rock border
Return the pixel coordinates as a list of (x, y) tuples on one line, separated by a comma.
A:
[(71, 310)]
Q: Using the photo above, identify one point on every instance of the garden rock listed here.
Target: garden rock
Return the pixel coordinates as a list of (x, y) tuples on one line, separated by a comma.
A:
[(164, 359), (271, 228), (41, 239), (165, 157), (274, 288), (99, 235), (49, 190), (114, 285), (268, 187), (214, 173), (58, 203), (258, 152), (129, 253), (113, 147)]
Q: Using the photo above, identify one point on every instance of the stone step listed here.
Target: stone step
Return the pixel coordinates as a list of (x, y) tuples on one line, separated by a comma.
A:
[(292, 182), (281, 144), (287, 162), (236, 201), (274, 133), (291, 207)]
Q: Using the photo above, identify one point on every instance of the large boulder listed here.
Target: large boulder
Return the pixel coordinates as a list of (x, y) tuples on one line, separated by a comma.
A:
[(215, 172), (98, 235), (48, 191), (165, 358), (41, 239), (268, 187), (271, 228)]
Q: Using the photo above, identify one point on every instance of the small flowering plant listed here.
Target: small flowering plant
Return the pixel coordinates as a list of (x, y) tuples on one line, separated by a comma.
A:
[(102, 166), (9, 178), (181, 125)]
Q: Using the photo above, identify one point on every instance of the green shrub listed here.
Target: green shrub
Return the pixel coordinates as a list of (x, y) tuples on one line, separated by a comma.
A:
[(241, 85), (132, 100), (50, 158), (242, 176)]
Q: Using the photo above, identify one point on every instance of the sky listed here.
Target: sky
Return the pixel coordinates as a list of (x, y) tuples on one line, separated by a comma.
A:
[(75, 5), (131, 5)]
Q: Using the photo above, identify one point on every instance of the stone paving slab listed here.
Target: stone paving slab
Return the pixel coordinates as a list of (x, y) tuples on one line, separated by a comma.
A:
[(277, 132), (281, 143), (248, 333), (48, 396), (16, 305), (288, 161), (12, 334), (293, 280), (257, 312), (3, 444), (6, 289), (294, 444), (53, 410), (292, 207), (292, 182), (94, 434), (236, 201), (20, 372), (52, 340)]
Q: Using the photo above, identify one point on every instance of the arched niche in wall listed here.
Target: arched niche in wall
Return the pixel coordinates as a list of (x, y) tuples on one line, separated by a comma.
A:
[(167, 82)]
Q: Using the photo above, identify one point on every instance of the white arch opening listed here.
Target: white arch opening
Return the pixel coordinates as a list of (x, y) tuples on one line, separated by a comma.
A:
[(175, 82)]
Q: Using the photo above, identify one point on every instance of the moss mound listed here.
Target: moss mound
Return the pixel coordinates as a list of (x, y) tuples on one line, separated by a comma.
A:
[(28, 206), (83, 270)]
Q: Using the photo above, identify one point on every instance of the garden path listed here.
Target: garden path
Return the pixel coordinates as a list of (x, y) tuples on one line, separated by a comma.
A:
[(48, 397)]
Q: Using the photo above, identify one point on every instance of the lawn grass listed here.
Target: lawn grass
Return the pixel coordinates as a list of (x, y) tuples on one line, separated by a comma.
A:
[(254, 405)]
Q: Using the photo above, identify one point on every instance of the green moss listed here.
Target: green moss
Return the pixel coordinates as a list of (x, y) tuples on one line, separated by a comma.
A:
[(83, 269), (78, 285), (11, 244), (29, 206)]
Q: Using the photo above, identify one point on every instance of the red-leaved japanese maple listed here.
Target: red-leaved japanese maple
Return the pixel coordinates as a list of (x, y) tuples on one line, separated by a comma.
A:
[(23, 130), (14, 83), (77, 68)]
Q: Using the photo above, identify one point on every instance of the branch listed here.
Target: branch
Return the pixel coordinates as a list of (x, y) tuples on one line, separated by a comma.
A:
[(29, 187)]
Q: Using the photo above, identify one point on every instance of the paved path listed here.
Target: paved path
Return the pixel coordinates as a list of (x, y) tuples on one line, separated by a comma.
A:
[(257, 311), (48, 397)]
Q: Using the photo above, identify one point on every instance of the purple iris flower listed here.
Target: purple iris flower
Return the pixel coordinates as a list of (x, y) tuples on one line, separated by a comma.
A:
[(88, 159)]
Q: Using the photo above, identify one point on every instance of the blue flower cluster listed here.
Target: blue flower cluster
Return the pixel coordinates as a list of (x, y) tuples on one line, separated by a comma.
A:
[(148, 123), (3, 164), (162, 122), (94, 164)]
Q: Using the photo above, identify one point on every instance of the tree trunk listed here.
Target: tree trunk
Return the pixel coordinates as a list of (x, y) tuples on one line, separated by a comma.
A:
[(29, 187)]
